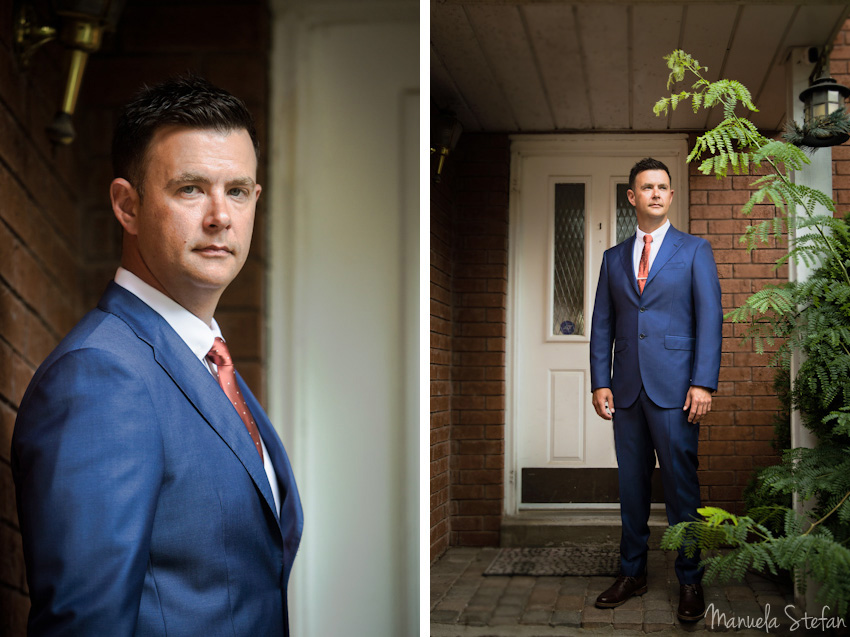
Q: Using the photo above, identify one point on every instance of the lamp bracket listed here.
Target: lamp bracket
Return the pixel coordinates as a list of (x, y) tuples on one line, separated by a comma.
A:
[(820, 61), (29, 36)]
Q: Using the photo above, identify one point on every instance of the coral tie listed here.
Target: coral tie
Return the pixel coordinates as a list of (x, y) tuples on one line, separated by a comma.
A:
[(643, 266), (220, 355)]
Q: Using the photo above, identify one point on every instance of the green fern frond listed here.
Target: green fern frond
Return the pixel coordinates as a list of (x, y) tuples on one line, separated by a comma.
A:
[(696, 101), (772, 299), (715, 516), (661, 106), (842, 422)]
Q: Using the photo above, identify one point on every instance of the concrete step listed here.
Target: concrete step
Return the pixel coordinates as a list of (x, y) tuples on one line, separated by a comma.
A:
[(532, 529)]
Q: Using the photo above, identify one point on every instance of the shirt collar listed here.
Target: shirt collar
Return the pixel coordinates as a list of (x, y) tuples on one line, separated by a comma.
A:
[(657, 235), (195, 333)]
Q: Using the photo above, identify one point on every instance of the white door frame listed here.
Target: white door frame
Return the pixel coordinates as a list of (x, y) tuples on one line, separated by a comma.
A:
[(554, 145), (342, 246)]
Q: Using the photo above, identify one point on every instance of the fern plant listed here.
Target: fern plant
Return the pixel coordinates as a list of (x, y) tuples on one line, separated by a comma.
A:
[(812, 552), (811, 317)]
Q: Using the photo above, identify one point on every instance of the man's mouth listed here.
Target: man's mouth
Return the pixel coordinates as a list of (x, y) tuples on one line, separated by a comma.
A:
[(214, 250)]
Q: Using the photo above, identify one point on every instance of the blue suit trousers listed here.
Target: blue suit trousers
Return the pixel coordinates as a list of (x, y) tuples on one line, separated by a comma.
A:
[(641, 431)]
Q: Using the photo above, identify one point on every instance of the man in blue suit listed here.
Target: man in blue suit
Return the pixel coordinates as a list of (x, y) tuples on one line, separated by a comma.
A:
[(154, 496), (658, 308)]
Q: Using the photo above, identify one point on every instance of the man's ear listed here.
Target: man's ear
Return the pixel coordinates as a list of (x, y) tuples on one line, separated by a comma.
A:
[(125, 204), (630, 195)]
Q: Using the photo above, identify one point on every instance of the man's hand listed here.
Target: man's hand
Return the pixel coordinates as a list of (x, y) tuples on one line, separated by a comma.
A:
[(603, 403), (698, 401)]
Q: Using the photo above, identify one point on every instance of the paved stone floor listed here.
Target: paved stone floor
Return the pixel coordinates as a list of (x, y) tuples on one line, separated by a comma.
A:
[(465, 603)]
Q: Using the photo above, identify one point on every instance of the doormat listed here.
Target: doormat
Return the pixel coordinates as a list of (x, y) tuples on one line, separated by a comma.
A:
[(557, 561)]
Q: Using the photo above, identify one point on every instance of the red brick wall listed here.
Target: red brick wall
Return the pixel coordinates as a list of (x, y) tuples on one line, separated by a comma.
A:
[(469, 226), (442, 253), (60, 244), (735, 436), (39, 286), (839, 65), (478, 358)]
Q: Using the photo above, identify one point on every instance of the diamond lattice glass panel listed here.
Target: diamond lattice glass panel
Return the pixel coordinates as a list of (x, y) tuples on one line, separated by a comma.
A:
[(568, 295), (626, 217)]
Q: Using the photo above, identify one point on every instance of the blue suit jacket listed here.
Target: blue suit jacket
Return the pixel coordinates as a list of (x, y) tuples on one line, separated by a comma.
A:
[(143, 504), (665, 340)]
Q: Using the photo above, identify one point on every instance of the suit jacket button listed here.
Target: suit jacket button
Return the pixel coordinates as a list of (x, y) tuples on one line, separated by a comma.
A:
[(643, 309), (643, 336)]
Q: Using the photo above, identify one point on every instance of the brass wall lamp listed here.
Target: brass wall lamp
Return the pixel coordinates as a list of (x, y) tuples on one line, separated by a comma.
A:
[(445, 133), (77, 24)]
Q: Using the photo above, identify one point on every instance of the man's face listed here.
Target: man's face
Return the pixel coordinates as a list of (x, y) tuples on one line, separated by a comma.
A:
[(651, 198), (194, 223)]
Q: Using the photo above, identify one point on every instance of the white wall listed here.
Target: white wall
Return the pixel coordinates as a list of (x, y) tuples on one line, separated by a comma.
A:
[(344, 211)]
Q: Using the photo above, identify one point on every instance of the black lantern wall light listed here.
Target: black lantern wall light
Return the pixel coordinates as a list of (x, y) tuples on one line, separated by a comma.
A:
[(826, 121), (79, 25)]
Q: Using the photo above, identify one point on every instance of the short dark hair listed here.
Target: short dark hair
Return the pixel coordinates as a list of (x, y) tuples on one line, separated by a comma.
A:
[(189, 101), (648, 163)]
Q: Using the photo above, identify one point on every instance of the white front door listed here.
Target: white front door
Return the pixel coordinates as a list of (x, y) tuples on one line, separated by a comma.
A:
[(568, 206)]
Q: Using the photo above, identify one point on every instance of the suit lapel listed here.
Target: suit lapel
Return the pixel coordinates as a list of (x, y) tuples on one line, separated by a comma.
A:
[(291, 519), (672, 242), (628, 261), (291, 516), (193, 379)]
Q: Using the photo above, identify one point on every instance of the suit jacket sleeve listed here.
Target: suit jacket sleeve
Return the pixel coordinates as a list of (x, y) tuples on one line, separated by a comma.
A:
[(88, 460), (708, 312), (601, 332)]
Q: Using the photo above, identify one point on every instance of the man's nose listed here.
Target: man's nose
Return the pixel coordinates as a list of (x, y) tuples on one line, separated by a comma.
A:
[(217, 214)]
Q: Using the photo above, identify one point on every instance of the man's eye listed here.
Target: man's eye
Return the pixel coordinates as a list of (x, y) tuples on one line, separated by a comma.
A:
[(188, 190), (238, 192)]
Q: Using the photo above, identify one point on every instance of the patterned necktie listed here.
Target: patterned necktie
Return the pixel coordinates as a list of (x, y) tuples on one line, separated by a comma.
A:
[(220, 355), (643, 266)]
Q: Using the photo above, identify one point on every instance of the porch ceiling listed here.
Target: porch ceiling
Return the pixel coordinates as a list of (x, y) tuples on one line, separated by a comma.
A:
[(542, 66)]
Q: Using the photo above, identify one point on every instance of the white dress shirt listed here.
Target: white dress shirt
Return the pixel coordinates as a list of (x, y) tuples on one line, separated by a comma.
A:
[(196, 334), (654, 247)]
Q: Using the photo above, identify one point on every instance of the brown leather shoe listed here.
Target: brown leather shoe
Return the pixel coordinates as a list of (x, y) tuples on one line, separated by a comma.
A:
[(691, 603), (622, 591)]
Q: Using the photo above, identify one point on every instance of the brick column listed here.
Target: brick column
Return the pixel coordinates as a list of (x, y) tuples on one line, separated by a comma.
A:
[(735, 436), (40, 296), (442, 249), (478, 359), (469, 235), (839, 65)]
